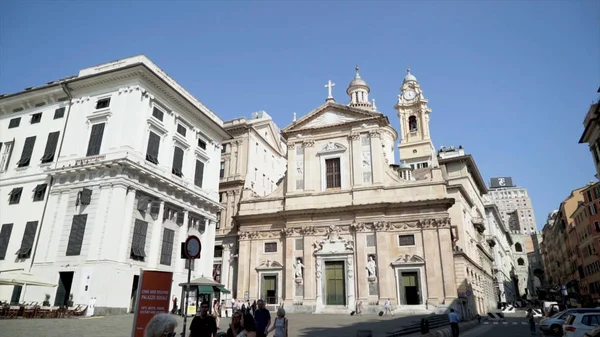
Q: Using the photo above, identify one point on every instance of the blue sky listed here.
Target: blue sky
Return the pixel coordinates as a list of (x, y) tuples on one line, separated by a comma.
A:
[(510, 81)]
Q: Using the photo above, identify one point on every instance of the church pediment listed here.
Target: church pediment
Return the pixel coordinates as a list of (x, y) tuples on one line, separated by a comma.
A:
[(270, 265), (331, 147), (331, 114), (408, 259), (333, 243)]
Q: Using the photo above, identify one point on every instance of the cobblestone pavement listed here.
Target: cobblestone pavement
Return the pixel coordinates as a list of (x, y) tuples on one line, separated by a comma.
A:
[(301, 325)]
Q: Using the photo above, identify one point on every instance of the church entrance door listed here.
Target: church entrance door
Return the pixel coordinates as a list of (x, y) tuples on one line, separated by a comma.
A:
[(335, 286), (410, 281)]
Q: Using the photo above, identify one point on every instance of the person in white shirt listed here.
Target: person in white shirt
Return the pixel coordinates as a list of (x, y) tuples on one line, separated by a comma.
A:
[(388, 308), (453, 317)]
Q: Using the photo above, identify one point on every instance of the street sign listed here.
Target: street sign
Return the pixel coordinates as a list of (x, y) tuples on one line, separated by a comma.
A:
[(469, 293), (193, 247)]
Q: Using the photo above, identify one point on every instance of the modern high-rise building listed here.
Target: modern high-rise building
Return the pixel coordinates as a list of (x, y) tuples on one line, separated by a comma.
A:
[(514, 205)]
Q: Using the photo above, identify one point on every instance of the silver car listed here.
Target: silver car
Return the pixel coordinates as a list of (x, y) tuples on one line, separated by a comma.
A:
[(553, 325)]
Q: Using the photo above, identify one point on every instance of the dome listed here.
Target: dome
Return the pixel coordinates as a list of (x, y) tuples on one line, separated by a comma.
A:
[(357, 82), (409, 77)]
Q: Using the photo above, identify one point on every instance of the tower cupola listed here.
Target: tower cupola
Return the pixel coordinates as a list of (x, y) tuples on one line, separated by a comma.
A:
[(358, 90)]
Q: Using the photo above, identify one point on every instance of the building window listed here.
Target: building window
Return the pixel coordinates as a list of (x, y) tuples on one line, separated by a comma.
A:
[(333, 174), (589, 195), (5, 239), (518, 247), (406, 240), (153, 147), (520, 262), (299, 244), (157, 113), (14, 123), (592, 209), (412, 124), (138, 243), (177, 162), (270, 247), (27, 152), (59, 113), (199, 175), (222, 170), (84, 197), (219, 251), (76, 235), (39, 192), (166, 250), (15, 195), (95, 141), (5, 155), (181, 130), (370, 240), (51, 144), (597, 226), (201, 144), (224, 148), (28, 238), (36, 118), (103, 103)]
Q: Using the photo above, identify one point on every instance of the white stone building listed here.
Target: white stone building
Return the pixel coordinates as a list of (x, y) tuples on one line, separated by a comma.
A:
[(514, 204), (254, 161), (136, 174), (500, 239)]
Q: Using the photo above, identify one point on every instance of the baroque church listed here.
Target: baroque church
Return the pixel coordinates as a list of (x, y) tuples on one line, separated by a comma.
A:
[(346, 224)]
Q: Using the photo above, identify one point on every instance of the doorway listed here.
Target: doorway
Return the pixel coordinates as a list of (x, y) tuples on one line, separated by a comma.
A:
[(410, 283), (269, 289), (134, 288), (63, 291), (335, 283)]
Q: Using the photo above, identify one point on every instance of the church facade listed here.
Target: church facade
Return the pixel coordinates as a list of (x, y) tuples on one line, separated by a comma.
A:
[(347, 225)]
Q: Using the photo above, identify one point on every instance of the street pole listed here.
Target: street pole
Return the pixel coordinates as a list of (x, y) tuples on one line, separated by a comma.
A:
[(187, 296)]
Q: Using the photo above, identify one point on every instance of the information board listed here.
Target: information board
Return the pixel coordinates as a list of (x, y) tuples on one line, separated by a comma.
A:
[(153, 297)]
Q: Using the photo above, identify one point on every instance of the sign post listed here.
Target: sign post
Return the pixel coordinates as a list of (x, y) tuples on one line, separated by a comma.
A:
[(192, 249), (152, 297)]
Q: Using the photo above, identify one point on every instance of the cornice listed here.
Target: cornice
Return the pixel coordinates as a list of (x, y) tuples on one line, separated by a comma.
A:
[(380, 226)]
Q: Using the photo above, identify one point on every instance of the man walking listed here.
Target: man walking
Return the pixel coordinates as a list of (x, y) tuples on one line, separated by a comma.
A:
[(262, 316), (388, 308), (453, 317)]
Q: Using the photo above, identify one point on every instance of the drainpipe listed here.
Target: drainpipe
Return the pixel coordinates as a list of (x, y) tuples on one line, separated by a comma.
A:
[(67, 91)]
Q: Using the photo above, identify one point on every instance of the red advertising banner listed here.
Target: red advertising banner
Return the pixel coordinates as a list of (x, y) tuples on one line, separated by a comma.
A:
[(153, 297)]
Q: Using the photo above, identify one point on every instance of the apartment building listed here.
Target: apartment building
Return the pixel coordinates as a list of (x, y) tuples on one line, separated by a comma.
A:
[(514, 204), (135, 174)]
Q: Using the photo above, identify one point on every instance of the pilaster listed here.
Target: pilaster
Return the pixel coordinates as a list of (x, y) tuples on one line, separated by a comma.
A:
[(355, 160), (376, 152), (361, 268), (312, 175), (243, 269), (119, 220), (98, 229), (447, 265), (309, 271), (289, 272), (182, 235), (225, 269), (291, 170), (155, 234)]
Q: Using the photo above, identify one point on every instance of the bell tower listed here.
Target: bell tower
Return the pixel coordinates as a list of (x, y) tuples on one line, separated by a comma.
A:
[(415, 147)]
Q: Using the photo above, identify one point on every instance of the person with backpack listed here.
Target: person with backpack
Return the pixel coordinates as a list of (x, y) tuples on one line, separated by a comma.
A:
[(280, 325)]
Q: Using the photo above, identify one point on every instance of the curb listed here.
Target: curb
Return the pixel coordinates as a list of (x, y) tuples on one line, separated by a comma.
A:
[(447, 332)]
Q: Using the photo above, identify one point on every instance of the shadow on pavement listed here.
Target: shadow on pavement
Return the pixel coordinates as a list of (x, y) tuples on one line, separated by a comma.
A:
[(377, 325)]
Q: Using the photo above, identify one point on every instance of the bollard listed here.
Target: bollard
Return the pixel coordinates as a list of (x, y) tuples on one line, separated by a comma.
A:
[(424, 326), (364, 333)]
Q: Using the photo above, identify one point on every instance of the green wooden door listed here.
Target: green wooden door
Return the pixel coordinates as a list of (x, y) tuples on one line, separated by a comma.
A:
[(335, 287)]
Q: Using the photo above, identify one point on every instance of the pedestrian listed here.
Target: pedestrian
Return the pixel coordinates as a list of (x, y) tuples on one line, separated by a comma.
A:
[(453, 317), (280, 325), (359, 308), (161, 325), (203, 325), (174, 305), (531, 321), (248, 327), (388, 307), (235, 327), (263, 319)]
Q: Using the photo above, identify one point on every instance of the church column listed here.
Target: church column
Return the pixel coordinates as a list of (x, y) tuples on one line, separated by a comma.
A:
[(311, 183), (243, 269), (449, 280), (291, 169), (434, 273), (182, 235), (376, 152), (361, 268), (425, 124), (289, 279), (155, 230), (120, 192), (225, 267), (356, 159)]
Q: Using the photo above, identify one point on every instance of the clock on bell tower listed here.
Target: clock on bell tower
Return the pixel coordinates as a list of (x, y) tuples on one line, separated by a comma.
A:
[(415, 147)]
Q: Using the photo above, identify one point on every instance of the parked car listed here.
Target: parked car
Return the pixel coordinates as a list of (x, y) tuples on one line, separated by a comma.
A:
[(577, 325), (553, 325), (593, 333)]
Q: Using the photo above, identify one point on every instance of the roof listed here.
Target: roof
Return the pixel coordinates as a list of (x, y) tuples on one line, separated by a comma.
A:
[(472, 167), (591, 119)]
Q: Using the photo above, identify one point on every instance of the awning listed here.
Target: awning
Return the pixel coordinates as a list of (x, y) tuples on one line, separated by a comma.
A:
[(23, 279), (223, 290), (202, 281), (206, 289)]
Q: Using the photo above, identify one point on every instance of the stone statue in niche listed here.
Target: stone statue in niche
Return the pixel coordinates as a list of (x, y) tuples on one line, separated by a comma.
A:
[(298, 266), (371, 268)]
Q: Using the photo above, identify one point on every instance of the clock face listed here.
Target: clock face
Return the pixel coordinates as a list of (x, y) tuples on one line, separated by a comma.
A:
[(193, 247), (409, 95)]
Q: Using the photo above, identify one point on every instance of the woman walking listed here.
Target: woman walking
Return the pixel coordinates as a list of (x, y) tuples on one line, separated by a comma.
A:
[(531, 320), (280, 325)]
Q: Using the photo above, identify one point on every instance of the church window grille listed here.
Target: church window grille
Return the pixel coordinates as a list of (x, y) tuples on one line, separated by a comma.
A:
[(333, 174), (138, 242), (76, 235), (270, 247), (406, 240)]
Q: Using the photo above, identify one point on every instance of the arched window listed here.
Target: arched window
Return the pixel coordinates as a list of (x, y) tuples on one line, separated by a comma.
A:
[(520, 262), (412, 124), (518, 247)]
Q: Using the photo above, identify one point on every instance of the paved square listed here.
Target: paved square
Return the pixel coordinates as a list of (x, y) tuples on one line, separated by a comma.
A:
[(301, 325)]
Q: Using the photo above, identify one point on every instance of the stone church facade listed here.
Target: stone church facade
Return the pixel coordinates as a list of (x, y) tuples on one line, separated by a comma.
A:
[(346, 225)]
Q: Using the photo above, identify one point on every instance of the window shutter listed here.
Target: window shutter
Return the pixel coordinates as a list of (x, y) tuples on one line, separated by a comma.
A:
[(50, 147), (138, 244), (76, 235), (59, 113), (154, 209), (5, 239), (167, 246), (177, 161), (180, 217), (85, 197), (153, 146), (27, 241), (95, 139), (27, 151), (199, 176)]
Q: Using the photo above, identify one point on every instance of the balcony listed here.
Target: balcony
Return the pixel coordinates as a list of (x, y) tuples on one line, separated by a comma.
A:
[(478, 224), (491, 240)]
